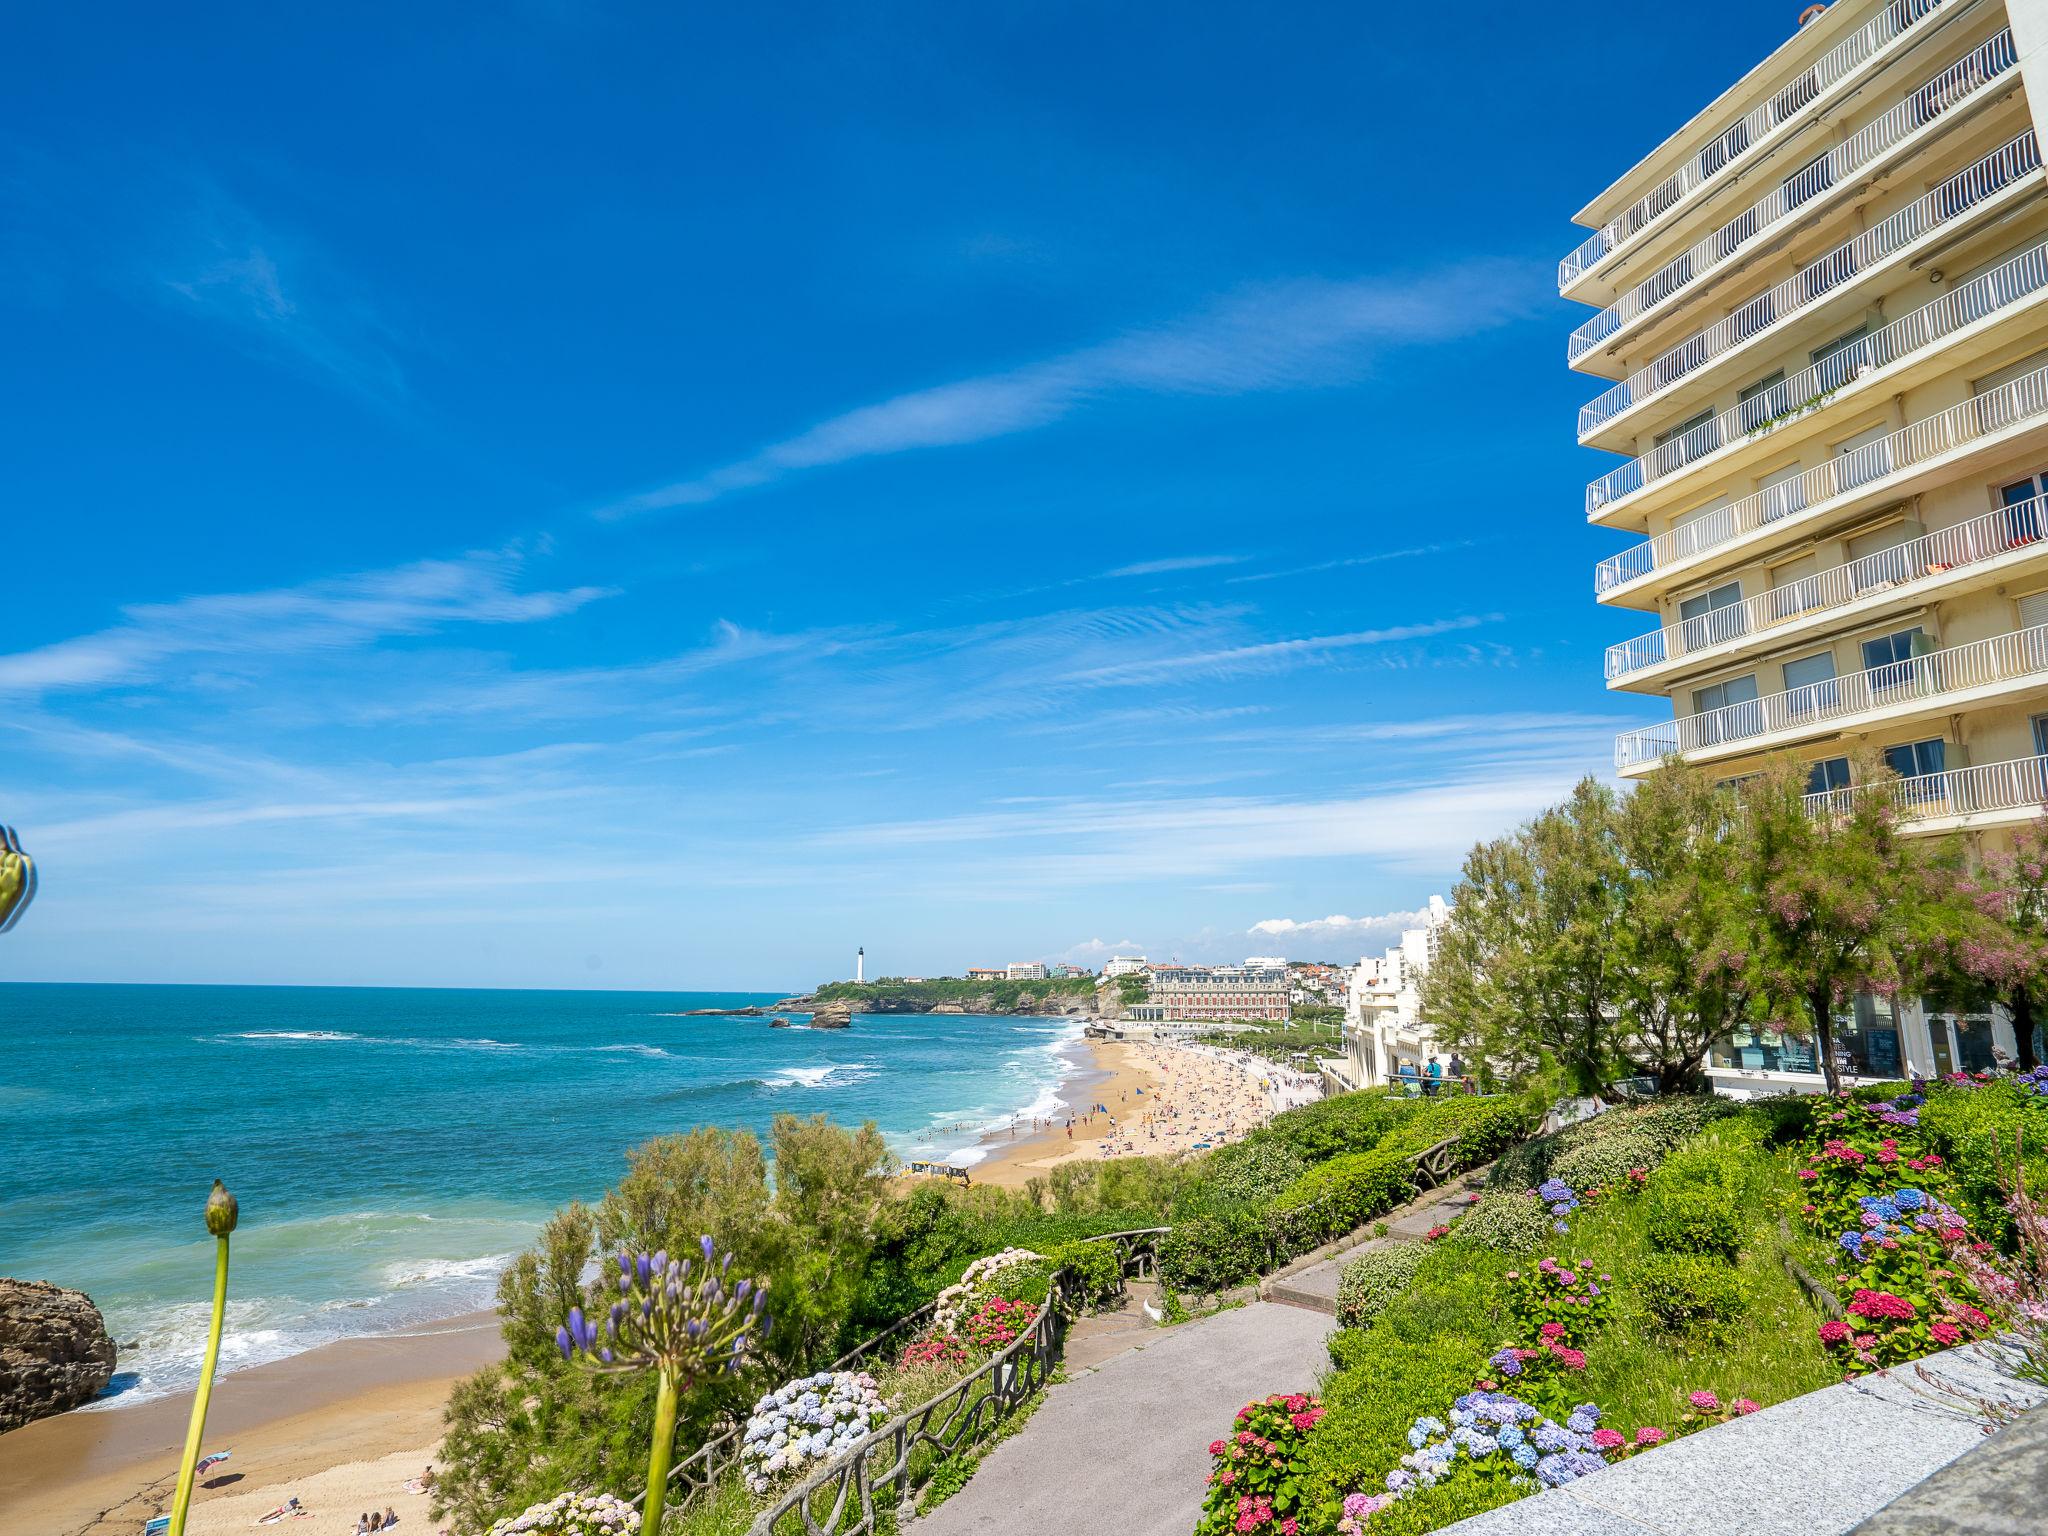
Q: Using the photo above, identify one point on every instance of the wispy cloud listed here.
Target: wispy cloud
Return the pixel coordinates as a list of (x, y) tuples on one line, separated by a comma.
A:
[(1270, 655), (1174, 563), (1365, 930), (329, 614), (1349, 562), (280, 296), (1305, 334)]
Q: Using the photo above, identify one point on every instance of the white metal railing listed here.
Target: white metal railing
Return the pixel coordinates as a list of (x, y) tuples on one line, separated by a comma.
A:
[(1928, 102), (1817, 279), (1837, 64), (2026, 274), (2025, 399), (2019, 783), (1917, 560), (1917, 679)]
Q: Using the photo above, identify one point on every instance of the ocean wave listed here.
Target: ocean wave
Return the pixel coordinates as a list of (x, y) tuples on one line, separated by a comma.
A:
[(633, 1050), (832, 1075), (295, 1034), (439, 1271)]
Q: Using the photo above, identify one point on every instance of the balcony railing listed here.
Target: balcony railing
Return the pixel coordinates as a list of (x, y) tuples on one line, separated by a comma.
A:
[(2026, 274), (2025, 399), (2021, 784), (1934, 97), (1817, 279), (1833, 67), (1924, 559), (1916, 680)]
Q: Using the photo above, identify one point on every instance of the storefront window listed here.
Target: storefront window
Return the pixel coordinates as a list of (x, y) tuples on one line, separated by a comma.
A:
[(1961, 1040), (1867, 1038), (1754, 1049)]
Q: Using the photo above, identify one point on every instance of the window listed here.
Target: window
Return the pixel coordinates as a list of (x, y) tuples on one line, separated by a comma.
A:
[(1883, 558), (2022, 503), (1782, 492), (1916, 759), (2033, 610), (1829, 773), (1810, 680), (1761, 1048), (1863, 458), (1847, 342), (1735, 690), (1763, 402), (1687, 447), (1809, 181), (2039, 725), (1892, 655), (1712, 616), (1866, 1038)]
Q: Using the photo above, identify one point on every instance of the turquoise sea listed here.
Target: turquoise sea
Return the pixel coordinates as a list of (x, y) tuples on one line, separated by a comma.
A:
[(391, 1149)]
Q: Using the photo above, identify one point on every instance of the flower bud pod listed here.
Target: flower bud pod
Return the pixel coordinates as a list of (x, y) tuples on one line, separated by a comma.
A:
[(221, 1210)]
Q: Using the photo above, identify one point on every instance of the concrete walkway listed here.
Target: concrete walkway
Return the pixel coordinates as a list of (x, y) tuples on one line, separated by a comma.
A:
[(1124, 1447), (1312, 1282), (1817, 1465)]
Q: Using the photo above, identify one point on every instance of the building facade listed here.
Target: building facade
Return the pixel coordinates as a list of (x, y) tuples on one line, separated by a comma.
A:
[(1383, 1005), (1026, 970), (1125, 965), (1820, 331), (1216, 994)]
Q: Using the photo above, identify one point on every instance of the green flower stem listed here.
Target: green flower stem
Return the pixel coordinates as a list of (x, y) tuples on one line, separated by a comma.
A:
[(658, 1458), (197, 1428)]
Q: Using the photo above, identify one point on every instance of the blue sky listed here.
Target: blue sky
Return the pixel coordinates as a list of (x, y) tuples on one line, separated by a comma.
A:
[(590, 495)]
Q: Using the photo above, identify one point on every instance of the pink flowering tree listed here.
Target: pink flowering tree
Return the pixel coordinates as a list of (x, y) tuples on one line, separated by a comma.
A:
[(1830, 905), (2005, 955)]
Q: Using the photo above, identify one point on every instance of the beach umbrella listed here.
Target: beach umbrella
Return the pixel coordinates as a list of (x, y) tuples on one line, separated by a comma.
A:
[(17, 879)]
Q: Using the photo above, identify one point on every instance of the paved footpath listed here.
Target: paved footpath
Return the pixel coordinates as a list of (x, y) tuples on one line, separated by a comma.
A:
[(1124, 1447)]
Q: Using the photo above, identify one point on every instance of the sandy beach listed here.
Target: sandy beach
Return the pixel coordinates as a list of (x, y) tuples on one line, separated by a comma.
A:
[(341, 1427), (1159, 1098)]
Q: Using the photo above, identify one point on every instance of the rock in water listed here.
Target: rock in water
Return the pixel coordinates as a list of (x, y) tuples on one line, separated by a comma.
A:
[(54, 1351), (836, 1015)]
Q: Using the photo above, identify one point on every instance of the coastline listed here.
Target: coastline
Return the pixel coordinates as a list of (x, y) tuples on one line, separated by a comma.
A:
[(308, 1417)]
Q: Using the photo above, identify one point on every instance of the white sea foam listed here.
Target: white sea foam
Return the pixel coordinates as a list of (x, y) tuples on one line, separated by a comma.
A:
[(295, 1034), (436, 1271), (835, 1075), (632, 1050)]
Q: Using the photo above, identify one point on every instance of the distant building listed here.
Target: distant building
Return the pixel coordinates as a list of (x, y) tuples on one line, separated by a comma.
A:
[(986, 973), (1061, 970), (1255, 992), (1383, 1024), (1026, 970), (1125, 965)]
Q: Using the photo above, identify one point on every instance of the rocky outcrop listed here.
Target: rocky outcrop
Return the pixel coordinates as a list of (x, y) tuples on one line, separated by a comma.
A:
[(54, 1351), (832, 1016)]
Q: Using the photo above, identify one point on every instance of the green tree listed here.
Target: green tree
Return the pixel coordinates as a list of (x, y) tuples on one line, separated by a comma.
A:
[(1528, 966), (2005, 958), (1839, 903), (1679, 947), (830, 1185)]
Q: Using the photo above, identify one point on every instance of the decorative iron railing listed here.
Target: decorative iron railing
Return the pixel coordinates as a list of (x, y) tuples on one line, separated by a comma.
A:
[(875, 1473), (1817, 279), (1863, 471), (1734, 144), (1916, 562), (2019, 784), (1913, 682), (1878, 137), (1811, 389)]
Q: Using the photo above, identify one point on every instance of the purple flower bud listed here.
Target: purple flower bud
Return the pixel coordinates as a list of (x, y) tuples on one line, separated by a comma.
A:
[(726, 1264), (647, 1306), (625, 1265), (706, 1244), (661, 1261), (646, 1267), (576, 1321), (693, 1328), (605, 1355), (743, 1290), (562, 1343)]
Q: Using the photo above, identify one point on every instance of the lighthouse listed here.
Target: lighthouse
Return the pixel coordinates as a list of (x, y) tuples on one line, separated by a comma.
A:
[(860, 964)]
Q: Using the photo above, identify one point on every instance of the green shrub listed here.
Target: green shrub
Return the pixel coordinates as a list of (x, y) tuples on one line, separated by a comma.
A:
[(1605, 1164), (1349, 1122), (1662, 1124), (1252, 1171), (1679, 1118), (1372, 1280), (1093, 1270), (1385, 1378), (1980, 1130), (1206, 1254), (1458, 1496), (1694, 1220), (1690, 1293), (1455, 1290), (1506, 1221), (1343, 1193)]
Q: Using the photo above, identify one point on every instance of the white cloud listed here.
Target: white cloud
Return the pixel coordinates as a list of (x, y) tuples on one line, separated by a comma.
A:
[(1295, 335), (1174, 563), (340, 612), (1363, 933)]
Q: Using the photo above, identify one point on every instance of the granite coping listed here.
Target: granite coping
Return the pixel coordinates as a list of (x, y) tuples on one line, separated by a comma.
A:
[(1816, 1465)]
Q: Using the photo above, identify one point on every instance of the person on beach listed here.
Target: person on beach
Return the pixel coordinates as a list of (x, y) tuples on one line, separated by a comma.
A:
[(363, 1524), (390, 1516)]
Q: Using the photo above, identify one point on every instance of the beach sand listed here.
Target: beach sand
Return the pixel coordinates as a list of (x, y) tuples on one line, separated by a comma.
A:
[(341, 1427), (1162, 1098)]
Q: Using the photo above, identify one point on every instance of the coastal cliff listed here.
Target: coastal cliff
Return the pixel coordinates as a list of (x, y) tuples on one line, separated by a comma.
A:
[(1065, 998), (54, 1351)]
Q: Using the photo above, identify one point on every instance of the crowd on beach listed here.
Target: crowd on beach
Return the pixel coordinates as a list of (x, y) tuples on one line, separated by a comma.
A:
[(1200, 1097)]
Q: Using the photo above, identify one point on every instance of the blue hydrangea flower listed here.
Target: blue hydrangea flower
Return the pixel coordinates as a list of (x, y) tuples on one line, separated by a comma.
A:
[(1909, 1199), (1547, 1437), (1523, 1456)]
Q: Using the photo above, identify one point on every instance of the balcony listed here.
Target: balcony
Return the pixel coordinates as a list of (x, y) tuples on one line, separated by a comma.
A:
[(1859, 152), (1820, 279), (1906, 568), (1935, 682), (1861, 475), (2020, 785), (1965, 304), (1833, 67)]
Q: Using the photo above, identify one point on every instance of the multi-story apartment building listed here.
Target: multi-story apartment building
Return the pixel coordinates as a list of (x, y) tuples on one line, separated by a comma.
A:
[(1821, 322), (1025, 970), (1383, 1024)]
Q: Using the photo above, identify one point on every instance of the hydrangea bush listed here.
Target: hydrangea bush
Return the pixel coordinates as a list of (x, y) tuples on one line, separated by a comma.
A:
[(1494, 1434), (573, 1514), (997, 1324), (1255, 1485), (981, 1280), (1558, 1303), (807, 1422), (1373, 1279)]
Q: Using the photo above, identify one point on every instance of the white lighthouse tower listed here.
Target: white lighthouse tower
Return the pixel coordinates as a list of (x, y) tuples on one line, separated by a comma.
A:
[(860, 964)]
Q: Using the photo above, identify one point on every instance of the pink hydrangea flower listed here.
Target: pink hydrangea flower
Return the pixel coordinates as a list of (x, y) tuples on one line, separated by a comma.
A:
[(1706, 1402), (1743, 1405), (1649, 1434), (1607, 1439)]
